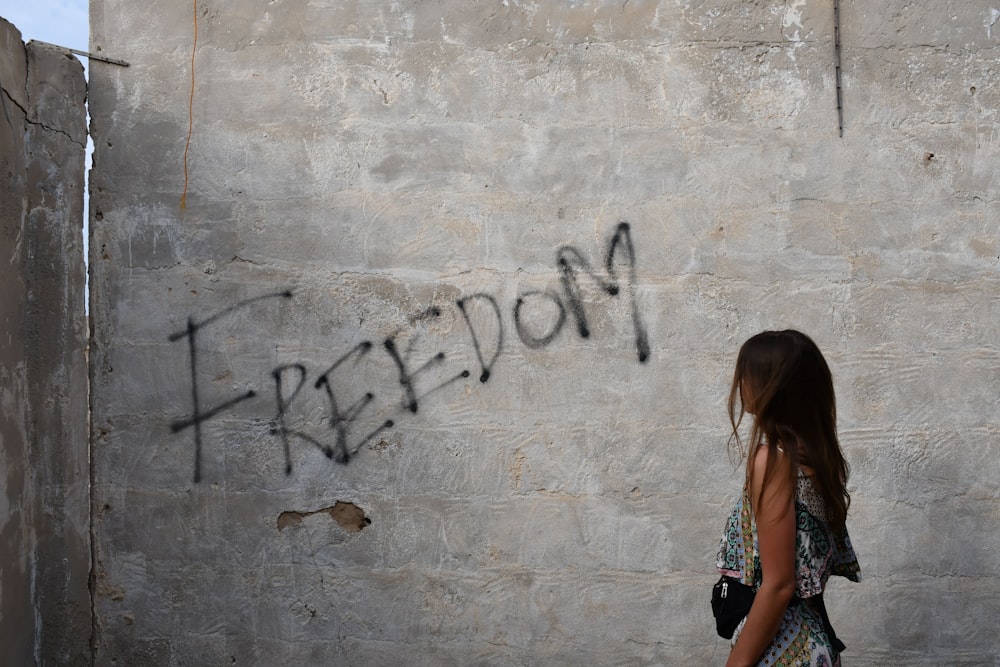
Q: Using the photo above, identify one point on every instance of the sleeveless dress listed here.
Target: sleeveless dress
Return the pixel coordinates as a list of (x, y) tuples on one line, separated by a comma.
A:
[(802, 639)]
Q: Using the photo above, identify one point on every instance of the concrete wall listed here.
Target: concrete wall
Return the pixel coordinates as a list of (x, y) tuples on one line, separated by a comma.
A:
[(45, 610), (344, 408)]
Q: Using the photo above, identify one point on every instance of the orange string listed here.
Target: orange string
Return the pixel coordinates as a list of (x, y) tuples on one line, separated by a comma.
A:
[(187, 145)]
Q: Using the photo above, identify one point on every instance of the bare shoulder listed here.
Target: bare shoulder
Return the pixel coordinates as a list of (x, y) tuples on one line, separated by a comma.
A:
[(770, 492), (763, 454)]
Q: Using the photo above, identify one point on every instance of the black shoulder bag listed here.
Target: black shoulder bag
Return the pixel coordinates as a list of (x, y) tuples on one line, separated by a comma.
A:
[(731, 601)]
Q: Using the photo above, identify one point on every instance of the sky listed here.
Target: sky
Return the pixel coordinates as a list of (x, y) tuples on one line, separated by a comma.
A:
[(61, 22)]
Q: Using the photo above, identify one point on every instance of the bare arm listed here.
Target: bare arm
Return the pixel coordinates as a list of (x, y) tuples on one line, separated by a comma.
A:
[(775, 517)]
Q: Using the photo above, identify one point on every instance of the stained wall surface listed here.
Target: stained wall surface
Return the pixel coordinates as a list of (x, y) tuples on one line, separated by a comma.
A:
[(430, 366), (45, 610)]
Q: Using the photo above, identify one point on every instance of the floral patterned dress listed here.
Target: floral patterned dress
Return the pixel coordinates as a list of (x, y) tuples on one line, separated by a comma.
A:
[(801, 640)]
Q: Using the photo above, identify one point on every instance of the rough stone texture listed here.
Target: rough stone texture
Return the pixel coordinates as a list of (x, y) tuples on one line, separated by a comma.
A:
[(45, 607), (360, 169)]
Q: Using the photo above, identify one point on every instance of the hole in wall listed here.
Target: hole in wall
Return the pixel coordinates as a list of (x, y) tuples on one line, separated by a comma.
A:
[(348, 516)]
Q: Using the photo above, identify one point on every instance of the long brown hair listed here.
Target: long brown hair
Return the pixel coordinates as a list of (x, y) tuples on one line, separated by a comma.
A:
[(782, 379)]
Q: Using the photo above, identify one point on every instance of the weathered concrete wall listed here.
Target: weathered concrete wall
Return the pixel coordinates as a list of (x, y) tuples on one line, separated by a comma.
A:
[(45, 610), (380, 195)]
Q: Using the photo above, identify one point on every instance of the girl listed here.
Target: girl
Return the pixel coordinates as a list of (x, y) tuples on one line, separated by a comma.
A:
[(787, 534)]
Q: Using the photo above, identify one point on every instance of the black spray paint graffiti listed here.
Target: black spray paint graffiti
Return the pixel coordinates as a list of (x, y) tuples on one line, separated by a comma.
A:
[(290, 379), (198, 417)]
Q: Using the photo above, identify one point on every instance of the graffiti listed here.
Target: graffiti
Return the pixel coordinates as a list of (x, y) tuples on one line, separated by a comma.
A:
[(198, 417), (339, 421), (570, 260), (530, 339), (407, 377), (485, 366), (418, 379)]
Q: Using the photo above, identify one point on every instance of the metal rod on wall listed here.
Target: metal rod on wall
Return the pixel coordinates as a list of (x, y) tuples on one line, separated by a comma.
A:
[(85, 54), (836, 64)]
